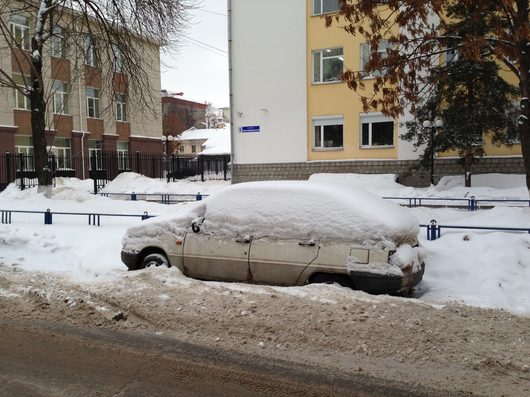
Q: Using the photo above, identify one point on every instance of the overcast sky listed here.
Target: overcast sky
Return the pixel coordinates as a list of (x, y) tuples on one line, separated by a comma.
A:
[(200, 68)]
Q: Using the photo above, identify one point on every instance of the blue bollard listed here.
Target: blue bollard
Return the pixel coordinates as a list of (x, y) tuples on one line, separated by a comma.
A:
[(432, 230), (48, 217), (198, 197), (133, 196), (145, 216)]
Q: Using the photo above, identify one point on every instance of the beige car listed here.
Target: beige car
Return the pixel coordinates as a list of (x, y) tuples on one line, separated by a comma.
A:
[(285, 233)]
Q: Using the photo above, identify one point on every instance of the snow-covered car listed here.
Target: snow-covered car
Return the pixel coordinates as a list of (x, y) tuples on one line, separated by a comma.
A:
[(285, 233)]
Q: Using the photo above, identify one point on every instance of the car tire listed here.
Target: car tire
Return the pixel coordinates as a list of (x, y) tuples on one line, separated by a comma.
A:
[(324, 278), (154, 260)]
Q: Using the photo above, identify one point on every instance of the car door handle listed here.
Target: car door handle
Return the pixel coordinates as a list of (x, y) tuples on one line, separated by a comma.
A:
[(306, 243), (242, 240)]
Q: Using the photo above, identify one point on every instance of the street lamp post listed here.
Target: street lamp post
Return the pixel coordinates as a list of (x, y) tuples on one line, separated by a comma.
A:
[(167, 140), (433, 125)]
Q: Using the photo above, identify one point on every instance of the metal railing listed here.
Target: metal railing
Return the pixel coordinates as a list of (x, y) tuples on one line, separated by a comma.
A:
[(434, 230), (94, 218), (163, 198), (471, 203)]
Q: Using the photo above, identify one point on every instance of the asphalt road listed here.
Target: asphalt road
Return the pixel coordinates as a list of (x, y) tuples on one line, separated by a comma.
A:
[(52, 359)]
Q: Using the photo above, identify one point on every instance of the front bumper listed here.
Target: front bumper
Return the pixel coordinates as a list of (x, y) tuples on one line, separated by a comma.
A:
[(385, 283), (130, 260)]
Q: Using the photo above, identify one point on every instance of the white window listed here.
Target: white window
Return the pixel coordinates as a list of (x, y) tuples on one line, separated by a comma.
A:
[(60, 97), (193, 149), (325, 6), (91, 58), (382, 50), (328, 65), (19, 28), (181, 148), (328, 132), (21, 100), (376, 131), (121, 107), (63, 153), (119, 61), (94, 149), (58, 43), (122, 148), (24, 151), (92, 102)]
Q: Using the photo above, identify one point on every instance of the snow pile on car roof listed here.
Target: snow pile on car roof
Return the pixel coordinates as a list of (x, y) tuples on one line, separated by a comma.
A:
[(308, 210)]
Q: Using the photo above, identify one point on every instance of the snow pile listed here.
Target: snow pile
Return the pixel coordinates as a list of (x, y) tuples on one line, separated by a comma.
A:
[(308, 210), (493, 180), (218, 143), (128, 182), (385, 181)]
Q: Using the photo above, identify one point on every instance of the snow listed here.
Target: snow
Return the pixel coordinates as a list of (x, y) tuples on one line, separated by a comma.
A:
[(218, 143), (480, 268)]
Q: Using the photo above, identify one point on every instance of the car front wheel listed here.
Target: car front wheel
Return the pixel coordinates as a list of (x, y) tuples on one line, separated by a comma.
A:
[(154, 260)]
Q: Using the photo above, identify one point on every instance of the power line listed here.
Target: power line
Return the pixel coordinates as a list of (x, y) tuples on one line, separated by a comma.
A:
[(195, 41), (212, 12)]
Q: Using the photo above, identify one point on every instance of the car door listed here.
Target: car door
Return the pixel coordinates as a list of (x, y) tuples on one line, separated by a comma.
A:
[(209, 257), (279, 261)]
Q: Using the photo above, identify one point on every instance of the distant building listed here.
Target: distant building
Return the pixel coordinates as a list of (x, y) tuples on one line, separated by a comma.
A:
[(179, 114), (207, 141)]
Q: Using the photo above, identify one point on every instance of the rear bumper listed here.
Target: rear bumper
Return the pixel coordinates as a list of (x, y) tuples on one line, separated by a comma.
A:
[(385, 283), (130, 260)]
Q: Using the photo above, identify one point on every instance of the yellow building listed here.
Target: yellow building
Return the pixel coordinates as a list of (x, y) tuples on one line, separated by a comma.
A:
[(290, 124)]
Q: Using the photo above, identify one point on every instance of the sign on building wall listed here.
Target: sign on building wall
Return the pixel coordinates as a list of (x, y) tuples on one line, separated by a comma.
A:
[(250, 128)]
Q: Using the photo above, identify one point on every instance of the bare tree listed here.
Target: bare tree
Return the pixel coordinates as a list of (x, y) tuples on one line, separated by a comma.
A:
[(110, 36)]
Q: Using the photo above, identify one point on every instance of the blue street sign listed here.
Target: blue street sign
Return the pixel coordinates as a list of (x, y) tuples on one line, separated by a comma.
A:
[(250, 128)]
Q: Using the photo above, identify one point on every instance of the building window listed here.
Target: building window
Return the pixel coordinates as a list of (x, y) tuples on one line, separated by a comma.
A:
[(63, 153), (376, 131), (328, 65), (122, 148), (181, 148), (328, 132), (92, 102), (25, 154), (21, 100), (193, 148), (325, 6), (382, 50), (451, 55), (94, 150), (121, 108), (60, 97), (58, 43), (91, 58), (119, 60), (19, 27)]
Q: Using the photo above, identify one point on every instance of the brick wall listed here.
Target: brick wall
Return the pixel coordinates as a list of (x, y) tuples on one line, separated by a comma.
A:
[(408, 171)]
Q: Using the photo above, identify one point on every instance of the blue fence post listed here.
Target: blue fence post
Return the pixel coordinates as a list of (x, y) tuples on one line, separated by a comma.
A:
[(133, 196), (48, 217), (433, 232), (198, 196), (472, 204), (145, 216)]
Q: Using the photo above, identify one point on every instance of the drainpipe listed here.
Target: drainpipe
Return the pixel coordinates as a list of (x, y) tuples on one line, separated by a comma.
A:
[(230, 88)]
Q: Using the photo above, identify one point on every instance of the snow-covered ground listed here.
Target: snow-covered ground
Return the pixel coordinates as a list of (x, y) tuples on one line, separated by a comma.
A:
[(488, 269)]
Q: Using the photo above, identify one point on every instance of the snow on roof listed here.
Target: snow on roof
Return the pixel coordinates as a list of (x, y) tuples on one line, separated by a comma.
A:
[(201, 133), (218, 143)]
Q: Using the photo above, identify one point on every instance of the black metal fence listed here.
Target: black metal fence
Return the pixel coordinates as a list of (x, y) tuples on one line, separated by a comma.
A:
[(103, 167)]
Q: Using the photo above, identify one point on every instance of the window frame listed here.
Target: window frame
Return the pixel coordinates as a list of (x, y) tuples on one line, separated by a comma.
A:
[(314, 4), (18, 95), (60, 94), (323, 121), (58, 43), (91, 55), (118, 62), (375, 118), (96, 102), (62, 150), (375, 73), (25, 149), (24, 43), (321, 65), (121, 107), (123, 155)]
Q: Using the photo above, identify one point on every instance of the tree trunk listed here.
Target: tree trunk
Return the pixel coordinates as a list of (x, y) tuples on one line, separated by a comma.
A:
[(38, 115)]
